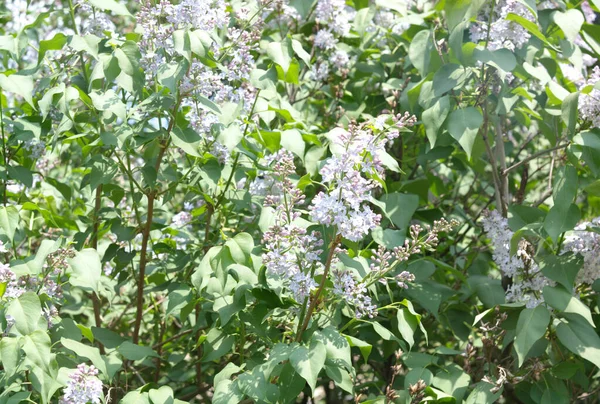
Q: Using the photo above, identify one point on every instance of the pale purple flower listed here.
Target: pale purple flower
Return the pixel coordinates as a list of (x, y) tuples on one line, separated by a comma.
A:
[(324, 39), (83, 386), (182, 219)]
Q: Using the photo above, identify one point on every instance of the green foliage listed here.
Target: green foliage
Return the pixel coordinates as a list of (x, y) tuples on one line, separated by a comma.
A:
[(271, 202)]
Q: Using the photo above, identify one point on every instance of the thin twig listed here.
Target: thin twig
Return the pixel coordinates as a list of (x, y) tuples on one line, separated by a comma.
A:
[(315, 299), (533, 157)]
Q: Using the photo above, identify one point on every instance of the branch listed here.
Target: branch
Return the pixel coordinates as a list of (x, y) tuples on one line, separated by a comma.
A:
[(315, 299), (533, 157), (151, 195)]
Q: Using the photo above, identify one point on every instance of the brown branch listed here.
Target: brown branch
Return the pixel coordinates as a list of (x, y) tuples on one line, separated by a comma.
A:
[(533, 157), (315, 299), (174, 337), (94, 243), (151, 195)]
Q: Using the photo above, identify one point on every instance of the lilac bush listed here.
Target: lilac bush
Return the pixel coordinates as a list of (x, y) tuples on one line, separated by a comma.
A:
[(299, 201)]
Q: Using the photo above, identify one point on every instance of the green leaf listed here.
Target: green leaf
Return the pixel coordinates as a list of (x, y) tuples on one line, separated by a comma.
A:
[(136, 397), (336, 345), (44, 383), (421, 50), (56, 43), (37, 349), (217, 344), (134, 352), (21, 174), (531, 327), (240, 247), (399, 208), (170, 74), (489, 290), (10, 355), (570, 21), (416, 374), (162, 395), (9, 221), (280, 53), (482, 394), (560, 220), (562, 268), (292, 384), (87, 270), (565, 187), (106, 365), (308, 362), (502, 59), (562, 300), (227, 392), (364, 347), (20, 85), (434, 117), (451, 379), (340, 377), (458, 11), (569, 111), (300, 52), (448, 77), (109, 339), (88, 43), (27, 312), (111, 5), (528, 25), (407, 325), (110, 103), (463, 125), (575, 333), (187, 140)]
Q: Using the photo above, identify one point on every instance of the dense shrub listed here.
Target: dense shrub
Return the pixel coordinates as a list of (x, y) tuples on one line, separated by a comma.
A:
[(278, 201)]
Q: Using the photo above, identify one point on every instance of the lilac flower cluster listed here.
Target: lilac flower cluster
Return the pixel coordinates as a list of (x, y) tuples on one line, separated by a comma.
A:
[(94, 21), (354, 293), (587, 244), (36, 148), (388, 20), (291, 252), (503, 33), (83, 386), (280, 14), (349, 178), (230, 84), (527, 278), (589, 104), (333, 17)]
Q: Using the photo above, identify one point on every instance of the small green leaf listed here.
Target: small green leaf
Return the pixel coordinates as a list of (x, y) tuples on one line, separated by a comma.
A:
[(27, 312), (531, 327), (570, 21), (569, 111), (20, 85), (434, 117), (562, 300), (575, 333), (560, 220), (87, 270), (134, 352), (364, 347), (279, 52), (562, 268), (463, 125), (9, 221), (308, 362), (448, 77)]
